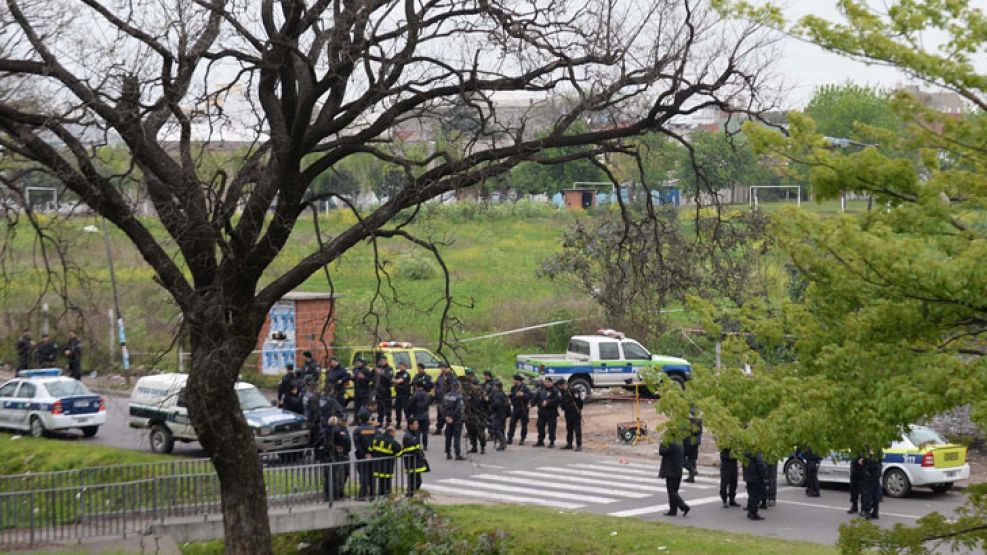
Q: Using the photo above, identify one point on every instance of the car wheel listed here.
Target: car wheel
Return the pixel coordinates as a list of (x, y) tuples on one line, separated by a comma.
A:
[(580, 387), (795, 473), (90, 431), (161, 439), (678, 379), (896, 483), (942, 488), (627, 436), (37, 427)]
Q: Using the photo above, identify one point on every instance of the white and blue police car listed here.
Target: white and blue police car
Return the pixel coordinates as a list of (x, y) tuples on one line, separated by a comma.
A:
[(41, 401)]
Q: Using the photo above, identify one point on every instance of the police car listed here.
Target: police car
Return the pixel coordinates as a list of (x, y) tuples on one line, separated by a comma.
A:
[(921, 458), (42, 401)]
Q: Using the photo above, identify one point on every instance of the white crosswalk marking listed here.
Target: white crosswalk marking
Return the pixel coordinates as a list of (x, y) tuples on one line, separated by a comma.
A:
[(664, 508), (642, 470), (584, 480), (607, 472), (598, 474), (529, 491), (460, 492), (575, 487)]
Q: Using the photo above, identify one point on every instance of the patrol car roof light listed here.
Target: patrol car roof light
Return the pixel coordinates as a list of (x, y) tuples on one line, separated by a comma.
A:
[(395, 344), (40, 372), (611, 333)]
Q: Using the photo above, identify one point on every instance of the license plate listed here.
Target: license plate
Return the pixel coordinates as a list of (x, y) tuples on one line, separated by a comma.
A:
[(952, 473), (85, 419)]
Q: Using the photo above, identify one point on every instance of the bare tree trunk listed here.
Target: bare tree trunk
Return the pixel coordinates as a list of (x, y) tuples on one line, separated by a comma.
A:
[(218, 353)]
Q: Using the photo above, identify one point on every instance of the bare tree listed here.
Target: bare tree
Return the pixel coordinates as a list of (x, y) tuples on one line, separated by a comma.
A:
[(303, 84)]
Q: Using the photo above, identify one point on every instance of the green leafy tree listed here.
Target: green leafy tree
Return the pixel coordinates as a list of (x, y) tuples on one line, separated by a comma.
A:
[(848, 110), (891, 327), (549, 178), (721, 162)]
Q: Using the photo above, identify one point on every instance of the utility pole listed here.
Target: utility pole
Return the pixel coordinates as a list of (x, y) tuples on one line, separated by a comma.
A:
[(124, 355)]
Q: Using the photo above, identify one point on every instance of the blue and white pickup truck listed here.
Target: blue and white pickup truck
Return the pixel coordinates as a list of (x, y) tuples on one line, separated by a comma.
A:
[(605, 360)]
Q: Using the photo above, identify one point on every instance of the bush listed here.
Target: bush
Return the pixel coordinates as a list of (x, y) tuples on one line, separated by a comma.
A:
[(416, 267), (407, 525)]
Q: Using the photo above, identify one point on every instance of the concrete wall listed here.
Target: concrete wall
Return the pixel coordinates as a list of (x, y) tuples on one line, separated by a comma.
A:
[(283, 521)]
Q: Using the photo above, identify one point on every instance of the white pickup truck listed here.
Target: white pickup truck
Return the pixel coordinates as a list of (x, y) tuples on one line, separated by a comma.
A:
[(604, 360)]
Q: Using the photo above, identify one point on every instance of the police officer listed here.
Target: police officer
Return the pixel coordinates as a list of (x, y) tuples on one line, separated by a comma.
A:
[(499, 408), (73, 354), (293, 400), (333, 446), (290, 377), (363, 439), (418, 412), (25, 348), (443, 385), (870, 498), (691, 445), (46, 352), (487, 383), (384, 376), (385, 448), (672, 458), (412, 456), (728, 479), (520, 406), (313, 413), (310, 368), (337, 379), (811, 460), (362, 386), (547, 400), (329, 407), (402, 392), (572, 409), (856, 482), (453, 411), (476, 413), (423, 379), (754, 478)]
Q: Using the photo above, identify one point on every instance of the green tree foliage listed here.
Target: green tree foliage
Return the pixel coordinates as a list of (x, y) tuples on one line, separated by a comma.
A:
[(720, 161), (334, 182), (536, 178), (892, 325), (848, 110)]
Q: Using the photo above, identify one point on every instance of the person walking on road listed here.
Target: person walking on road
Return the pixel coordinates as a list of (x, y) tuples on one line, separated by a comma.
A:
[(443, 385), (547, 400), (453, 411), (520, 406), (870, 498), (728, 479), (672, 459), (856, 483), (572, 408), (73, 355), (499, 408), (812, 461), (25, 350), (754, 478), (691, 445), (476, 414)]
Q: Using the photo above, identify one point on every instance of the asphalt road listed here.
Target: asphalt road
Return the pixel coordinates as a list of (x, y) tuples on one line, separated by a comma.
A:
[(622, 487)]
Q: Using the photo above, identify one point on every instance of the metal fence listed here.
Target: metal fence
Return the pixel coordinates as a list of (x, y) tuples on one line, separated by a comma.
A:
[(127, 499)]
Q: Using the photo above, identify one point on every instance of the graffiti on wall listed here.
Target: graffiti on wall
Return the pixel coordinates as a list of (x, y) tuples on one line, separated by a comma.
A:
[(279, 345)]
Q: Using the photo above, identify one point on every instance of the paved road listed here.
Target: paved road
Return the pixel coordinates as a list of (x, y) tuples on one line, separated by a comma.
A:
[(627, 488)]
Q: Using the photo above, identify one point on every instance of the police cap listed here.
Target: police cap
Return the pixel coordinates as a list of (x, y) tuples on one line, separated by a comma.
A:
[(470, 372), (488, 373), (519, 377), (560, 381)]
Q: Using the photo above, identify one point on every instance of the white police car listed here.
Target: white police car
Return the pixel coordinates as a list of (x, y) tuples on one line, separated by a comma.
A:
[(921, 458), (42, 401)]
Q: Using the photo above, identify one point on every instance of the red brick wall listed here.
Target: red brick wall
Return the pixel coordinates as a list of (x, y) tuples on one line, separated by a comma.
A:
[(310, 316)]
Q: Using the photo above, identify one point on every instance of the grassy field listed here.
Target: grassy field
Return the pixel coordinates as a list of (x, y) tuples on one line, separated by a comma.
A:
[(24, 454)]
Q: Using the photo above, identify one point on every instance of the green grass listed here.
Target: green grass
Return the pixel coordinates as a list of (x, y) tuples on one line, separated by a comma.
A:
[(24, 454)]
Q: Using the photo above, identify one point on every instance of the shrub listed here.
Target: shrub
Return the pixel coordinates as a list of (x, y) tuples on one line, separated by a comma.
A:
[(416, 267)]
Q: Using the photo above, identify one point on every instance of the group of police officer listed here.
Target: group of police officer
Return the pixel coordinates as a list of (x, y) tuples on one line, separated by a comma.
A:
[(44, 354)]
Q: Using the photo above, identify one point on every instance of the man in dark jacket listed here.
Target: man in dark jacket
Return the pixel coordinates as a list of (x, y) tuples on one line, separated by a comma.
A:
[(363, 439), (418, 412), (412, 456), (811, 460), (291, 377), (755, 471), (294, 401), (476, 414), (499, 407), (691, 445), (329, 407), (572, 409), (728, 479), (46, 352), (313, 415), (310, 369), (453, 411), (871, 491), (25, 348), (402, 392), (333, 446), (363, 382), (520, 406), (73, 355), (443, 385), (547, 400), (384, 376), (672, 458), (337, 378), (856, 482), (423, 379), (386, 449)]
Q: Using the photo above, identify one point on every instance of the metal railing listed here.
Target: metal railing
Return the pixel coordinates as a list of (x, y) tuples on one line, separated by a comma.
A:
[(70, 505)]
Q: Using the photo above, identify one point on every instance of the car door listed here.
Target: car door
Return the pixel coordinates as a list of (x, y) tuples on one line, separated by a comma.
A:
[(23, 401), (636, 357), (7, 401), (610, 366)]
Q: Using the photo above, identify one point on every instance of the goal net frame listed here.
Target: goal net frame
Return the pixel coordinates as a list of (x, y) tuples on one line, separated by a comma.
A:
[(752, 193)]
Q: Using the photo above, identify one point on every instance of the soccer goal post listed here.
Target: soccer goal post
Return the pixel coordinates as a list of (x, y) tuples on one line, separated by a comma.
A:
[(753, 200)]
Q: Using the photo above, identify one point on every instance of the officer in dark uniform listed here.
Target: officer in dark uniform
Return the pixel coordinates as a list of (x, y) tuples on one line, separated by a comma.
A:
[(423, 379), (313, 413), (453, 411), (488, 383), (310, 368), (384, 376), (500, 406), (870, 498), (363, 439), (291, 376), (385, 448), (329, 407), (294, 401), (547, 400), (337, 378), (412, 456), (418, 412), (754, 478), (672, 458), (46, 352), (811, 460), (443, 385), (73, 355), (520, 406), (856, 482), (728, 479), (691, 445), (363, 381), (25, 348), (333, 446), (402, 392), (572, 409), (476, 413)]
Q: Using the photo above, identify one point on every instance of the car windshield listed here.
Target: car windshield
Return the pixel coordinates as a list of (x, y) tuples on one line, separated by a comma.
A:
[(924, 436), (251, 398), (66, 388)]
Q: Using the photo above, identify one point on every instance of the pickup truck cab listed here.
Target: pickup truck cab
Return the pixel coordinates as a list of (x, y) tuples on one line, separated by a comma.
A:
[(158, 404), (397, 352), (604, 360)]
